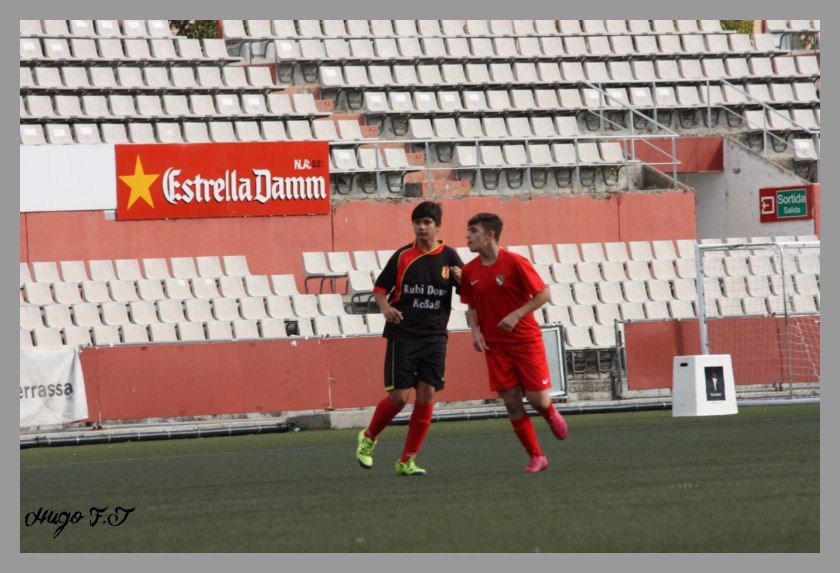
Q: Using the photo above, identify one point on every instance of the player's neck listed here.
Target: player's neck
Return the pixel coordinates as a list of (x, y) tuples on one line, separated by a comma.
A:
[(427, 244), (489, 254)]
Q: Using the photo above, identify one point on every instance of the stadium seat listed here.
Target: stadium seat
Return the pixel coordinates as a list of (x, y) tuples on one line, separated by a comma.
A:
[(610, 292), (326, 326), (170, 311), (67, 293), (352, 324), (188, 331), (589, 272), (47, 337), (176, 289), (634, 291), (681, 309), (641, 251), (329, 305), (45, 272), (639, 270), (659, 290), (803, 304), (30, 317), (657, 310), (728, 307), (284, 285), (457, 320), (105, 335), (198, 310), (613, 271), (77, 336), (37, 293), (561, 294), (218, 330), (245, 329), (57, 316)]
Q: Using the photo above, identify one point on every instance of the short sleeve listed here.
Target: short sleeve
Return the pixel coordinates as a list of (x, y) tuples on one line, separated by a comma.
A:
[(454, 260), (531, 280), (387, 279)]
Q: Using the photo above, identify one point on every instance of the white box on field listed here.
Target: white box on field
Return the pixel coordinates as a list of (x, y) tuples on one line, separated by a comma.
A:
[(703, 386)]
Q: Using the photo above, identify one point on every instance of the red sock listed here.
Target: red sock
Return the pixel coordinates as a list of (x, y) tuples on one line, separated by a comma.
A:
[(418, 427), (524, 430), (382, 416), (548, 412)]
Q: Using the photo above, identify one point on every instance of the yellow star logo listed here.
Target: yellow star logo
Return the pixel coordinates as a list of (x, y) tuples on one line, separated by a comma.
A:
[(139, 183)]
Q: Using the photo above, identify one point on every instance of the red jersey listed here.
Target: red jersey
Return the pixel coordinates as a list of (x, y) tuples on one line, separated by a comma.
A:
[(496, 290)]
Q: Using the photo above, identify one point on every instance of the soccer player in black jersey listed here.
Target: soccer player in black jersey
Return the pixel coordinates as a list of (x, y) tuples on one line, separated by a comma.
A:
[(414, 293)]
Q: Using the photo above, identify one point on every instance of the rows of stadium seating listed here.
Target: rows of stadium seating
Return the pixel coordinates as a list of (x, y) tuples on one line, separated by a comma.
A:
[(235, 29), (592, 286), (132, 81)]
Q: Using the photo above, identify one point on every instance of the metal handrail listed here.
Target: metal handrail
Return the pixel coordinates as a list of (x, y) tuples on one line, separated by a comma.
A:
[(626, 105)]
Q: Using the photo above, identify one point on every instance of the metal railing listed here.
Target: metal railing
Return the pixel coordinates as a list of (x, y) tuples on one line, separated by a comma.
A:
[(766, 133), (634, 113)]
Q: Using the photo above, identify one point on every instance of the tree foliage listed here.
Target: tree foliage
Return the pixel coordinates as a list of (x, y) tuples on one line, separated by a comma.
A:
[(199, 29), (742, 26)]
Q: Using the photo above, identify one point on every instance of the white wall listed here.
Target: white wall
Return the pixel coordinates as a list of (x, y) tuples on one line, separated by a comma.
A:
[(67, 178), (727, 202)]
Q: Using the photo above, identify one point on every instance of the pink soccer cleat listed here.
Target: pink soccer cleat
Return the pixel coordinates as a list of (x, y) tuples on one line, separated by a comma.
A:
[(537, 464), (558, 426)]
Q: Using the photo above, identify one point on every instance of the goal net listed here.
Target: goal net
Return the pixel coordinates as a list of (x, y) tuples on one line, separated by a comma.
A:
[(760, 304)]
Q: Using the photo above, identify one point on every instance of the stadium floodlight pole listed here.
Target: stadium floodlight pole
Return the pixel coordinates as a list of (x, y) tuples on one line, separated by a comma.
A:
[(701, 300)]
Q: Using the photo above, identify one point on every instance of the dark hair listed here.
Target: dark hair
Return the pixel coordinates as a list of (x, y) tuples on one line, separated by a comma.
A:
[(490, 222), (428, 209)]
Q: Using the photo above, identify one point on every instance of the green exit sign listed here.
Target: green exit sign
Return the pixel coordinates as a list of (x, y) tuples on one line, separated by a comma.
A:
[(793, 203), (784, 204)]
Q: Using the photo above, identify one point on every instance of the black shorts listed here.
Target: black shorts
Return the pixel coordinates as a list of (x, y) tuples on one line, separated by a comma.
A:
[(410, 361)]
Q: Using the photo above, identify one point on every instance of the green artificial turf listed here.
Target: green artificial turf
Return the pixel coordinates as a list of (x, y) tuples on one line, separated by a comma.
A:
[(622, 482)]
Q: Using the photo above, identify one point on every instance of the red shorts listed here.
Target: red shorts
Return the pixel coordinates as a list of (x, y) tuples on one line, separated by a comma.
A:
[(521, 363)]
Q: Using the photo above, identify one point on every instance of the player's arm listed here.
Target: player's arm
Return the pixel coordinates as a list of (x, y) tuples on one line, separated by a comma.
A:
[(509, 322), (478, 338), (390, 313)]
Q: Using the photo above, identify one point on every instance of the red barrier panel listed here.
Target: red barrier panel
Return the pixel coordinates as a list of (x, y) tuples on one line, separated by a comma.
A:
[(696, 154), (651, 347), (756, 344), (273, 244), (181, 380)]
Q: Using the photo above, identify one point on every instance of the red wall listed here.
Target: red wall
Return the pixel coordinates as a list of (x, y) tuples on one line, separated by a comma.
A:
[(171, 380), (756, 345), (816, 198), (696, 154), (273, 244), (23, 246)]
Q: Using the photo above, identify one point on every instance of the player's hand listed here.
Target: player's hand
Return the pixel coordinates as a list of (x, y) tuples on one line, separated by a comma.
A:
[(456, 272), (478, 342), (392, 315), (508, 323)]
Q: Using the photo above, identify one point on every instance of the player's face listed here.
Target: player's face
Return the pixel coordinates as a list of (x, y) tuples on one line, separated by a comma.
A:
[(425, 229), (477, 238)]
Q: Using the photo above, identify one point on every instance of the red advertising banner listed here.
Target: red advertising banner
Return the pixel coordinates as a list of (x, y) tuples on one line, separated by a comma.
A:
[(174, 181), (777, 204)]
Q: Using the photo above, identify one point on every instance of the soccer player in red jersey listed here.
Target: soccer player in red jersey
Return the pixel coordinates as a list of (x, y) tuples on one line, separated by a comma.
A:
[(502, 290), (414, 293)]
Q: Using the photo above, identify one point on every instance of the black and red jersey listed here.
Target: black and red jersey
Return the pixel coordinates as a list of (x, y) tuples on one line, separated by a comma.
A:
[(419, 284)]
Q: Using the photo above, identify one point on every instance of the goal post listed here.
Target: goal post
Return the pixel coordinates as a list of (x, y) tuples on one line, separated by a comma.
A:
[(759, 303)]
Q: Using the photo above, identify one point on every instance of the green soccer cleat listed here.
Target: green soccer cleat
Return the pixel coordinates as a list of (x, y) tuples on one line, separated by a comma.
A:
[(409, 468), (364, 450)]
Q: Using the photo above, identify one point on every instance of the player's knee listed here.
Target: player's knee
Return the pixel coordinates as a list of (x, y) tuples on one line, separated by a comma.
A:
[(425, 393), (398, 400), (514, 409)]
